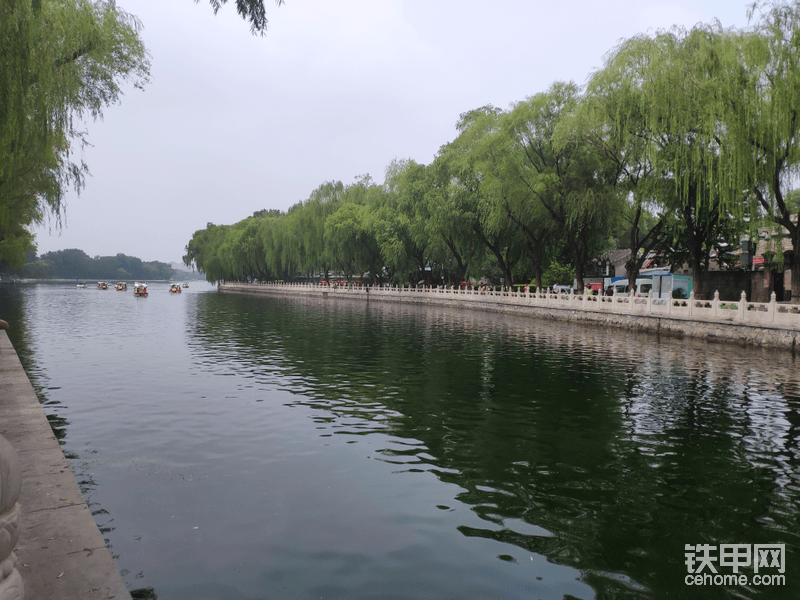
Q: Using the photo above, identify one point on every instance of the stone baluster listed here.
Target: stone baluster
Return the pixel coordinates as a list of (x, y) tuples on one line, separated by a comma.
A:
[(772, 308), (743, 306), (691, 303), (11, 587), (715, 304)]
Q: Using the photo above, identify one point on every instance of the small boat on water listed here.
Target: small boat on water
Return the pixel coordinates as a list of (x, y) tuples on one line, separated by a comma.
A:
[(121, 286), (186, 285), (140, 289), (174, 289), (81, 285), (102, 285)]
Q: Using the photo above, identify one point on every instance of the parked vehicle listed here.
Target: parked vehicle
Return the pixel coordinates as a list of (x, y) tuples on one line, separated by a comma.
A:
[(672, 286), (619, 288), (644, 287)]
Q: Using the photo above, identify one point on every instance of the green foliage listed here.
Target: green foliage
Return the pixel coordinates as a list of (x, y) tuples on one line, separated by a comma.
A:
[(250, 10), (683, 141), (478, 184), (701, 126), (557, 273), (570, 182), (679, 294), (61, 63)]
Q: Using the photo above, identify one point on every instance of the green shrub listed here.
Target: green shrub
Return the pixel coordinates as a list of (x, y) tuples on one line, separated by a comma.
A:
[(557, 273)]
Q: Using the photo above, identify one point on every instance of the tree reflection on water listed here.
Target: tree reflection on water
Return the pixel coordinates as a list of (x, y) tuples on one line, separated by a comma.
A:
[(604, 450)]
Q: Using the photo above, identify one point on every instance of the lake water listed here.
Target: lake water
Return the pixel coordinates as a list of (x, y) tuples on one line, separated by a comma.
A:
[(238, 448)]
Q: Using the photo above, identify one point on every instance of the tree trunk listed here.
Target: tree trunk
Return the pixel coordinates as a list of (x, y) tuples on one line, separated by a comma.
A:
[(500, 262), (536, 247), (795, 266), (461, 272), (495, 249), (650, 241), (698, 255), (509, 278), (579, 258)]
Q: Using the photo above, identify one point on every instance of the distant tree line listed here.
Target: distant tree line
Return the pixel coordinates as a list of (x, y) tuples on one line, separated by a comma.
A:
[(682, 143), (76, 264)]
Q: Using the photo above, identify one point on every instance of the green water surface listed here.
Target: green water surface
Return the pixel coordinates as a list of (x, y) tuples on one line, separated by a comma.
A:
[(237, 447)]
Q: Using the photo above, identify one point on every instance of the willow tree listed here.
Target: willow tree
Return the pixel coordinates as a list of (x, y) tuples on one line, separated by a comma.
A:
[(452, 200), (507, 204), (566, 180), (202, 252), (673, 96), (609, 116), (307, 227), (62, 62), (470, 154), (349, 237), (760, 98), (398, 218)]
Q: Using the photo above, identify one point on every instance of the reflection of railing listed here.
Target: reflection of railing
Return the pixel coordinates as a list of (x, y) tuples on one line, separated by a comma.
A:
[(690, 309)]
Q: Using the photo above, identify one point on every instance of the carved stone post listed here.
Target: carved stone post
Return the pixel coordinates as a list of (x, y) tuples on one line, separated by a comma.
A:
[(10, 514), (743, 306), (771, 307)]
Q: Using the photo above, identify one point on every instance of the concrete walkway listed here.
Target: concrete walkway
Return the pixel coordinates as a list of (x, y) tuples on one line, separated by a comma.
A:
[(62, 555)]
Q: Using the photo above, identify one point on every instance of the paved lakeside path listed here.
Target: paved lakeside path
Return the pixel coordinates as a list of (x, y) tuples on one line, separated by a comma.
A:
[(61, 552), (746, 323)]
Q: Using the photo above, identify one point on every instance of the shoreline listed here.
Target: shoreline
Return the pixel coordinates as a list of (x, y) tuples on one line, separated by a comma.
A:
[(745, 323), (61, 552)]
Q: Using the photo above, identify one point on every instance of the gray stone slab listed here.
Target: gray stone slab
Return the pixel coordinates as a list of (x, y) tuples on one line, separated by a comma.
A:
[(59, 560), (9, 412), (27, 432), (15, 388), (46, 479)]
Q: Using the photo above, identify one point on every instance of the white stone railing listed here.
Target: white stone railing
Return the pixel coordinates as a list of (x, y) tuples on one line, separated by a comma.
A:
[(755, 313)]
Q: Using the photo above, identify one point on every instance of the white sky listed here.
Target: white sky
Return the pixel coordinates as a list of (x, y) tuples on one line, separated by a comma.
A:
[(233, 123)]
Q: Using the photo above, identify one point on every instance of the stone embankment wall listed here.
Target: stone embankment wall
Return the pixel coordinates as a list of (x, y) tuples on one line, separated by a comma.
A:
[(764, 324)]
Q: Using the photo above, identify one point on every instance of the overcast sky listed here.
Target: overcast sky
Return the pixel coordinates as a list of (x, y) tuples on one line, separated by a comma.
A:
[(233, 123)]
